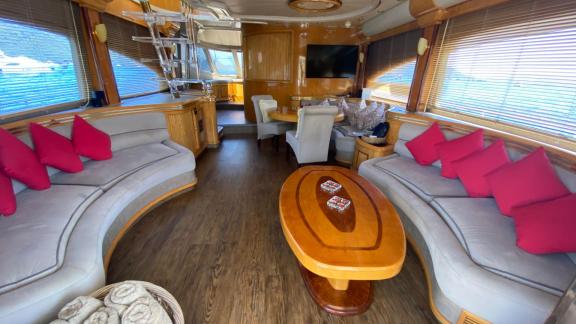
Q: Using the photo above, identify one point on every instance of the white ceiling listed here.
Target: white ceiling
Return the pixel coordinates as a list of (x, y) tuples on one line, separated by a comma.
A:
[(278, 10)]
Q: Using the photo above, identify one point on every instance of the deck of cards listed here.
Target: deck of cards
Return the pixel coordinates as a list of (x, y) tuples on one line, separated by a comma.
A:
[(338, 203), (330, 186)]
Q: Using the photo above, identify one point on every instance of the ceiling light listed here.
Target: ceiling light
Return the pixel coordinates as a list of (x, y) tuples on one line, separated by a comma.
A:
[(315, 5)]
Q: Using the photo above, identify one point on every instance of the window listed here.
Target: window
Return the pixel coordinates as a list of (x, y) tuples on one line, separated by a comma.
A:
[(223, 62), (40, 60), (134, 77), (513, 64), (390, 66), (240, 62), (203, 61)]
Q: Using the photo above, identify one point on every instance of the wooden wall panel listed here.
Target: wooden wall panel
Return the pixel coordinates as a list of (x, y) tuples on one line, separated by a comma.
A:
[(271, 78), (268, 56)]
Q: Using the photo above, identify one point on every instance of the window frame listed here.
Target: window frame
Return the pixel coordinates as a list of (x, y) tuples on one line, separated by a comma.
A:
[(79, 57), (237, 65)]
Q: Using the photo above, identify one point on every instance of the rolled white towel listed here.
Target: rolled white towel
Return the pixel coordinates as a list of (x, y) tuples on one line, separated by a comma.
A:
[(104, 315), (59, 321), (123, 295), (145, 310), (79, 309)]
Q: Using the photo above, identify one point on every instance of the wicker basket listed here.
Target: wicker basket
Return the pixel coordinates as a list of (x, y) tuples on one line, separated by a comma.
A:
[(160, 294), (374, 140)]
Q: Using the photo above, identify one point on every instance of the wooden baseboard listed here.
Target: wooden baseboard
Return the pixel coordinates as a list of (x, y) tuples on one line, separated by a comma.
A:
[(141, 213), (435, 309)]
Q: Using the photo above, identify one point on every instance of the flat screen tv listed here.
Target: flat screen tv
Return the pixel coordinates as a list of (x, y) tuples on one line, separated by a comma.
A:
[(331, 61)]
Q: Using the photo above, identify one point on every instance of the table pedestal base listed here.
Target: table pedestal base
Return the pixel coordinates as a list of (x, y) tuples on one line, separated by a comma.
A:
[(352, 301)]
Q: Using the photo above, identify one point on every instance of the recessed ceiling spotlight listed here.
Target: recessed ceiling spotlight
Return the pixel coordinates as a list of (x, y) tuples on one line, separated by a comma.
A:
[(348, 24), (315, 5)]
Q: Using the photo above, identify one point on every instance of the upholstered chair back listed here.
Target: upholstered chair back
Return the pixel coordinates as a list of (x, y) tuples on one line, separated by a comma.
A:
[(256, 100), (313, 132)]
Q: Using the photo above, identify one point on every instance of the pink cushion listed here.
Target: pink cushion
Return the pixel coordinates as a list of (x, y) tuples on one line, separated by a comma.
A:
[(54, 149), (19, 162), (453, 150), (7, 197), (547, 227), (472, 170), (89, 141), (524, 182), (423, 147)]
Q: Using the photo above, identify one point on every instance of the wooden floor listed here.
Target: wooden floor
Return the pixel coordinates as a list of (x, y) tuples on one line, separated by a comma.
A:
[(220, 251)]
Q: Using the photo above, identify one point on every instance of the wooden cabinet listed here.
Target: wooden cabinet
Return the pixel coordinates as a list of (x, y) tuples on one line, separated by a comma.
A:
[(228, 91), (193, 123), (365, 151)]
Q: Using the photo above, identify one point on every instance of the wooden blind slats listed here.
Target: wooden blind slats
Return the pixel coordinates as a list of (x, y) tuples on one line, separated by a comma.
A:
[(133, 77), (514, 63), (390, 66)]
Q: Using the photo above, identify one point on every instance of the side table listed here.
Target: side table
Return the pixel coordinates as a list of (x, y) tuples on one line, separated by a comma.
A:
[(365, 151)]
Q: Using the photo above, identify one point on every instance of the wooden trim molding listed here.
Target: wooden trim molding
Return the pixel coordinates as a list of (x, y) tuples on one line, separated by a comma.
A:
[(99, 62), (468, 318), (430, 33), (143, 211), (98, 5), (433, 307), (426, 12), (470, 6), (427, 16)]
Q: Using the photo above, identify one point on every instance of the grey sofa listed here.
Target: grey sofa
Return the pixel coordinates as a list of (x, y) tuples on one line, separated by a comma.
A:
[(466, 245), (54, 245)]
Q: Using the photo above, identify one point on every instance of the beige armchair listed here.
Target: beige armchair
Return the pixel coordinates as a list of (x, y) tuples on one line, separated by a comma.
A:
[(267, 129), (310, 141)]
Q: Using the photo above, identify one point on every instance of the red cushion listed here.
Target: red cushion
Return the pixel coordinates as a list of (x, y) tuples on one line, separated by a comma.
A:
[(19, 162), (7, 197), (89, 141), (54, 149), (423, 147), (547, 227), (524, 182), (453, 150), (472, 170)]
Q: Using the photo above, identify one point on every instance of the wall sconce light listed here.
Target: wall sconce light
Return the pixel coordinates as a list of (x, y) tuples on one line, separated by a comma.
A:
[(422, 46), (101, 33)]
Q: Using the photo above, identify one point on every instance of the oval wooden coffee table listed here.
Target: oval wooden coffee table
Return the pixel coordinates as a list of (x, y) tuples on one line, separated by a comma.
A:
[(341, 252)]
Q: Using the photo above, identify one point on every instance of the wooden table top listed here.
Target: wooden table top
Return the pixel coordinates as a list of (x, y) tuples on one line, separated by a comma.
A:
[(292, 116), (366, 242)]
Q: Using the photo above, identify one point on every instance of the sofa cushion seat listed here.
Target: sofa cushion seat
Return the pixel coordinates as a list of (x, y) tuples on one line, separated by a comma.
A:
[(34, 243), (105, 174), (489, 239), (425, 181)]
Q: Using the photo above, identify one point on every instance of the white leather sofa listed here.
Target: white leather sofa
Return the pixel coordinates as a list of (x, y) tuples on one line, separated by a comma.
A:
[(52, 248), (466, 245)]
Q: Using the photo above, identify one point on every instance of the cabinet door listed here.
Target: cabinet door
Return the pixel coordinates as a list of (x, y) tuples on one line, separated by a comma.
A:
[(359, 157)]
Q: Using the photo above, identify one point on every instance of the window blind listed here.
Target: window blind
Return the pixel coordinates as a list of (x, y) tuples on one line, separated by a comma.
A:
[(133, 77), (514, 64), (41, 56), (390, 64)]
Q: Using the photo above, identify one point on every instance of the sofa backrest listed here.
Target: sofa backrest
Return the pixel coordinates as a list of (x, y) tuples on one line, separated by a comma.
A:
[(125, 131), (409, 131)]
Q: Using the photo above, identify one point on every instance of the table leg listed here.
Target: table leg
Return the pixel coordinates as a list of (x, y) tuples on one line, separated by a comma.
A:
[(338, 284), (336, 296)]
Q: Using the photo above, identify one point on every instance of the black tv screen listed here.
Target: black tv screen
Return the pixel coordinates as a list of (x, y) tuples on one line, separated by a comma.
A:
[(331, 61)]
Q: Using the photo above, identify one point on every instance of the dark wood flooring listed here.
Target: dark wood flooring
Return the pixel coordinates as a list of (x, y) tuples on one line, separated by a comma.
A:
[(219, 249)]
